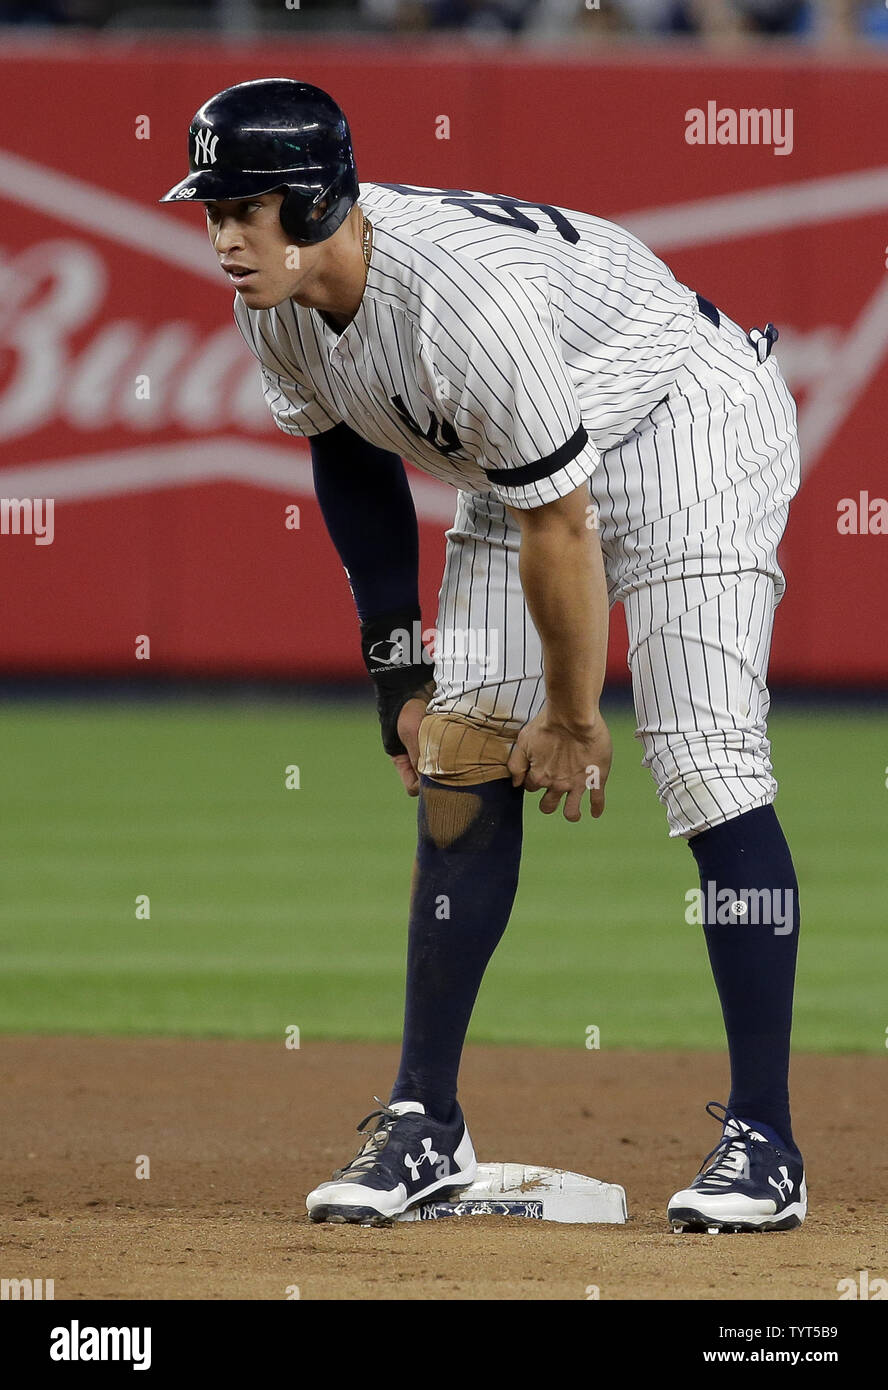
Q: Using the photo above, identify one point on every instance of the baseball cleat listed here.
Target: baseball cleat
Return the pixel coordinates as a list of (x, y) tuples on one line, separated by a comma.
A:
[(406, 1159), (750, 1184)]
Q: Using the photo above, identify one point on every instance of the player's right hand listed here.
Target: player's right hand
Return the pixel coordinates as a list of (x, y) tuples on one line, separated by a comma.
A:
[(409, 720)]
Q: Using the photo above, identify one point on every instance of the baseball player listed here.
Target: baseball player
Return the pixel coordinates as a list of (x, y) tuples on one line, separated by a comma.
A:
[(611, 437)]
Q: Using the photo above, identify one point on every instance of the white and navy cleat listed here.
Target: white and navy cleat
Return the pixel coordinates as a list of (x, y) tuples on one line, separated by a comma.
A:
[(407, 1158), (747, 1183)]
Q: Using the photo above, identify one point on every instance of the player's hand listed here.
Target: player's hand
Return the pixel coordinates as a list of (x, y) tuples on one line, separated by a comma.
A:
[(564, 761), (409, 720)]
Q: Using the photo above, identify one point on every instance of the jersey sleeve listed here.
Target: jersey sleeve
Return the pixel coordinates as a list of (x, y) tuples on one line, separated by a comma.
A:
[(295, 407), (513, 403), (288, 392)]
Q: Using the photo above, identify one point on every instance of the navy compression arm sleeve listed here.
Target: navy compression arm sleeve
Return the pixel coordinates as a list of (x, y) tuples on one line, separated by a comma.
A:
[(368, 510)]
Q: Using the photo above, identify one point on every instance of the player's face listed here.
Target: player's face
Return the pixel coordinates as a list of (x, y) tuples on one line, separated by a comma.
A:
[(262, 263)]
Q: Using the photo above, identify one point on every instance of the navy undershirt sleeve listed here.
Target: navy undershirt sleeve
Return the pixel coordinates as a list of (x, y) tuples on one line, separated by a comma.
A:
[(368, 510)]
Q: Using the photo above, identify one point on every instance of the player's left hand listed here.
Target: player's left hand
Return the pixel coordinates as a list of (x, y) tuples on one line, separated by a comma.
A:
[(566, 762)]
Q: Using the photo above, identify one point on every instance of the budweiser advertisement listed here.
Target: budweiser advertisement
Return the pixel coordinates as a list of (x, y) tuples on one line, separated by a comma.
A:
[(152, 519)]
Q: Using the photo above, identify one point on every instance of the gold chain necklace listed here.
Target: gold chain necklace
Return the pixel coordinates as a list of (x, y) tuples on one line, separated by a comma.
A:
[(367, 243)]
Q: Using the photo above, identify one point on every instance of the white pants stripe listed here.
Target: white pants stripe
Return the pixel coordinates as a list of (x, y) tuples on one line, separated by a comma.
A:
[(691, 507)]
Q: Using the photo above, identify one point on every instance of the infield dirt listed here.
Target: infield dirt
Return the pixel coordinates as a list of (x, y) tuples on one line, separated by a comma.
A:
[(236, 1133)]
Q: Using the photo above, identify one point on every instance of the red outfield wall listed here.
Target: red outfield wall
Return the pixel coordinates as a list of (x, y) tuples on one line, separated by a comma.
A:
[(170, 513)]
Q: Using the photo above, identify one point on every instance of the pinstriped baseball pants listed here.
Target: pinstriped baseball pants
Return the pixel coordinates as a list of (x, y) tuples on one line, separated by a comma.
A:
[(690, 509)]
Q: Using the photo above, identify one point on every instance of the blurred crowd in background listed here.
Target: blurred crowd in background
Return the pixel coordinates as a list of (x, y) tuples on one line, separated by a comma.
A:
[(829, 22)]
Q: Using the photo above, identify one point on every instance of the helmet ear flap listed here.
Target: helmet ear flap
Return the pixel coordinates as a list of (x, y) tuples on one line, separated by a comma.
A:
[(323, 215)]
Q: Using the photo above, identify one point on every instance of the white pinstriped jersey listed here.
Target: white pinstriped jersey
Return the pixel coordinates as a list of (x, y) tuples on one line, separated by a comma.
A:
[(515, 350), (500, 345)]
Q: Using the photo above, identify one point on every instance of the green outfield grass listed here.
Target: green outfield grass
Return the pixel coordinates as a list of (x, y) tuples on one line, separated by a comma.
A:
[(272, 907)]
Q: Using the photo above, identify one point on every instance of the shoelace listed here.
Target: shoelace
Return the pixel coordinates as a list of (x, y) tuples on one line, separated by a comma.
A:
[(365, 1159), (733, 1148)]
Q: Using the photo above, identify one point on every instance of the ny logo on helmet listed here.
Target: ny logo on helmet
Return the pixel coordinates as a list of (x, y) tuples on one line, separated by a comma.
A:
[(205, 147)]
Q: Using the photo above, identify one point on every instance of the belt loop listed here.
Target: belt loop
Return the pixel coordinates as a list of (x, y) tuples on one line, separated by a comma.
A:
[(763, 340)]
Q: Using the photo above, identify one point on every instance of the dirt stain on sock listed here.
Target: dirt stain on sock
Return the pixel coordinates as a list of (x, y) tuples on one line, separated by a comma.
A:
[(448, 814)]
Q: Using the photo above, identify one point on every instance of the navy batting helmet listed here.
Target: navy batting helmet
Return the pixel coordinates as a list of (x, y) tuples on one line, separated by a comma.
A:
[(268, 136)]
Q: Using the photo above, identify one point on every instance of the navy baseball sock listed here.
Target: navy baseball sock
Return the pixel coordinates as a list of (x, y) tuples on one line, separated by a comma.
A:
[(750, 912), (466, 874)]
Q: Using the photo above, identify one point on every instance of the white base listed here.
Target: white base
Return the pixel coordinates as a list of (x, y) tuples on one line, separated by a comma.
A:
[(541, 1194)]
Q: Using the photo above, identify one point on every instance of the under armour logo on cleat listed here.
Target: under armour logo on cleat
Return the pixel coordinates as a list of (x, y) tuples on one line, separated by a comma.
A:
[(428, 1155), (785, 1182)]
